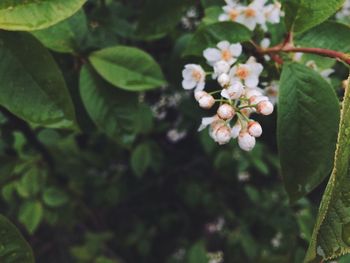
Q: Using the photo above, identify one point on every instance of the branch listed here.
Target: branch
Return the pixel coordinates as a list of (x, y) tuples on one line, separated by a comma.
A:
[(288, 46)]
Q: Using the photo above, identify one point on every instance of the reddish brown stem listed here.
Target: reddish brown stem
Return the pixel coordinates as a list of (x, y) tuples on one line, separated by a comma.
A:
[(319, 51)]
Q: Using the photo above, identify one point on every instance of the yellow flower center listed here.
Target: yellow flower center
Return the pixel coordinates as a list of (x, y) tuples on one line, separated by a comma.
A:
[(242, 72), (197, 75), (249, 12), (233, 14), (226, 55)]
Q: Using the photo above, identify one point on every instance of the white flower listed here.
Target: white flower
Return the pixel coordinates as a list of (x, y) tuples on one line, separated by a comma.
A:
[(254, 100), (174, 135), (220, 67), (249, 73), (226, 112), (204, 99), (253, 92), (224, 80), (326, 72), (193, 77), (236, 129), (272, 13), (224, 51), (245, 141), (231, 11), (254, 129), (265, 107), (233, 92), (252, 14), (297, 56)]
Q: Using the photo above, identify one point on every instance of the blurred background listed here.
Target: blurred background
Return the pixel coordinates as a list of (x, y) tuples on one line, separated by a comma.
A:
[(152, 190)]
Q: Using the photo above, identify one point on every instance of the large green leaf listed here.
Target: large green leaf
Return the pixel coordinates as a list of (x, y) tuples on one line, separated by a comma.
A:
[(128, 68), (329, 35), (308, 117), (141, 158), (331, 235), (302, 15), (35, 14), (13, 247), (112, 110), (210, 35), (31, 84), (66, 36)]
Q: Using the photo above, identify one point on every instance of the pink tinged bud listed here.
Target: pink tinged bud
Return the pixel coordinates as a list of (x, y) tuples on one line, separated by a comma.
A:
[(224, 80), (254, 129), (265, 108), (207, 101), (222, 135), (236, 129), (257, 99), (226, 112), (246, 142)]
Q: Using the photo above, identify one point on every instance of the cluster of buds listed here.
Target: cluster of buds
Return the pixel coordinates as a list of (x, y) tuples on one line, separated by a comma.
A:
[(239, 95), (256, 13)]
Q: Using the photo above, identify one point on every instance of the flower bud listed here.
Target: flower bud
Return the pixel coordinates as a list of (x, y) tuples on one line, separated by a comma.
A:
[(254, 129), (204, 99), (222, 134), (224, 80), (257, 99), (226, 112), (245, 141), (265, 107)]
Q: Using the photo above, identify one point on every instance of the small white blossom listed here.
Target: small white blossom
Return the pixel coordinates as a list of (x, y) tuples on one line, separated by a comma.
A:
[(226, 112), (231, 11), (265, 107), (207, 121), (254, 129), (248, 73), (246, 142), (297, 56), (252, 14), (271, 91), (273, 13), (224, 52), (193, 77), (233, 92), (174, 135)]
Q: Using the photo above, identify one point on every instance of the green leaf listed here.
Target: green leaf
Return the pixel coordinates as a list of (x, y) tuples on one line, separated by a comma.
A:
[(308, 117), (54, 197), (197, 254), (331, 234), (31, 182), (141, 159), (302, 15), (66, 36), (128, 68), (329, 35), (159, 17), (211, 15), (33, 87), (35, 14), (30, 215), (13, 247), (112, 110), (210, 35)]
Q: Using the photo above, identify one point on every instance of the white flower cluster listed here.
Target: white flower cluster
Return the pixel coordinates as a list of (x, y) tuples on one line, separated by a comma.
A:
[(344, 12), (239, 95), (256, 13)]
